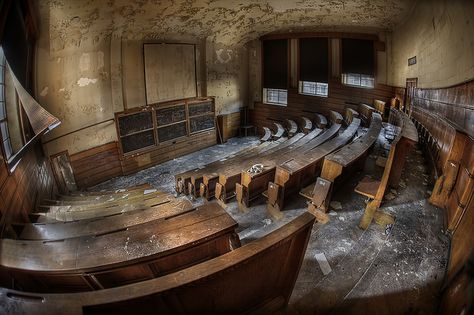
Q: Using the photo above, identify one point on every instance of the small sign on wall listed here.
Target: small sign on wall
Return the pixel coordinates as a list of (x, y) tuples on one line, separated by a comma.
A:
[(412, 61)]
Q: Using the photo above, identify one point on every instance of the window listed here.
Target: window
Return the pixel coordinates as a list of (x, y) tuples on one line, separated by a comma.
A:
[(358, 62), (275, 96), (275, 71), (313, 88), (313, 66), (5, 135), (360, 80)]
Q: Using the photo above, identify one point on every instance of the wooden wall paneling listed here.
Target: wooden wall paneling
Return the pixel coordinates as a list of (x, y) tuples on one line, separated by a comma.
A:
[(20, 191), (229, 125), (340, 96), (456, 103), (96, 165)]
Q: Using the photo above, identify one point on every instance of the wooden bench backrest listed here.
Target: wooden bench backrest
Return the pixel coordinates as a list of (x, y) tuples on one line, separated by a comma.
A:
[(441, 135), (352, 151), (258, 277)]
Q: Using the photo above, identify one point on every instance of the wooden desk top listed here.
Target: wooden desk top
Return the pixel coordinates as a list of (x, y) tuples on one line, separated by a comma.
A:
[(355, 149), (139, 243), (297, 163), (101, 225)]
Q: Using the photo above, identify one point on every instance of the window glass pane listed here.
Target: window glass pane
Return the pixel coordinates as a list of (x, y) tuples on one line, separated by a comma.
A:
[(8, 148), (314, 88), (2, 93), (4, 130), (2, 73), (275, 96), (2, 110)]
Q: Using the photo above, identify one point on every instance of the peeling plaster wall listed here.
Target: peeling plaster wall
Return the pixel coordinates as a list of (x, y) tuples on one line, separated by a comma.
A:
[(227, 75), (89, 61), (440, 35)]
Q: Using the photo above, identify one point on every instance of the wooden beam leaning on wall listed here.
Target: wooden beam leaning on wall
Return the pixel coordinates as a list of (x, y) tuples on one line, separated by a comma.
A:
[(350, 156), (200, 289), (375, 190), (302, 169), (253, 183)]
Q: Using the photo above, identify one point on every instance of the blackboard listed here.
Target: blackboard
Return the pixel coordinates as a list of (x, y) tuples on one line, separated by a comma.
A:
[(201, 108), (172, 132), (137, 141), (135, 122), (201, 123), (170, 115)]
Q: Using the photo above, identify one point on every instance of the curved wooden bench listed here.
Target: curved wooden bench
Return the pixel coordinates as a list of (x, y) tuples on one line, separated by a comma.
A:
[(334, 164), (229, 179), (101, 225), (120, 257), (210, 179), (183, 181), (446, 147), (302, 169), (86, 193), (98, 202), (321, 121), (252, 184), (279, 132), (67, 216), (292, 127), (261, 275), (307, 125), (83, 205), (267, 134), (375, 189)]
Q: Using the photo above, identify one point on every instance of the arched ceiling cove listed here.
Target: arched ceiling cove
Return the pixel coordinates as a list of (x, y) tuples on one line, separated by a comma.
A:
[(228, 22)]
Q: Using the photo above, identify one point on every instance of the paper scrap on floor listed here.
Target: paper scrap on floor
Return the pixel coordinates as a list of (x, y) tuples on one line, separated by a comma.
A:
[(149, 191), (323, 263)]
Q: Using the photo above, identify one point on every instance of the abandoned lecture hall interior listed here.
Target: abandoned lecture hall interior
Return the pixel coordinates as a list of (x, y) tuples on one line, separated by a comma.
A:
[(287, 157)]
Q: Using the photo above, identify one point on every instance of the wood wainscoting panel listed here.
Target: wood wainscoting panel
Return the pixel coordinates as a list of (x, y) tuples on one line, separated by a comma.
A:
[(340, 96), (96, 165), (21, 190)]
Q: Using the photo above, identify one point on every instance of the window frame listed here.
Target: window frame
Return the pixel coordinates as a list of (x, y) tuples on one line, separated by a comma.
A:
[(317, 85), (278, 91), (7, 154), (346, 76)]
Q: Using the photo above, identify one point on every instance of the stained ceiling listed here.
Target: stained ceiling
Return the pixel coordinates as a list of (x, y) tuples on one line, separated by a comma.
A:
[(228, 22)]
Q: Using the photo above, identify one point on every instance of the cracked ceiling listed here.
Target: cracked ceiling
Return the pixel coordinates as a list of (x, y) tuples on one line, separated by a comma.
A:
[(73, 22)]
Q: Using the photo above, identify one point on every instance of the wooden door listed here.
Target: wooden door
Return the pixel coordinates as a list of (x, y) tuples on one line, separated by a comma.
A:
[(409, 93)]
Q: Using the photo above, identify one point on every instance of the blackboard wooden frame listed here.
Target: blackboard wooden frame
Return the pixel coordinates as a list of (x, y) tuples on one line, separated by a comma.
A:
[(153, 110)]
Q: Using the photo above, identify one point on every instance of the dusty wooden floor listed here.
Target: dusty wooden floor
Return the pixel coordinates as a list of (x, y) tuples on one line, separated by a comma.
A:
[(395, 270)]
